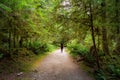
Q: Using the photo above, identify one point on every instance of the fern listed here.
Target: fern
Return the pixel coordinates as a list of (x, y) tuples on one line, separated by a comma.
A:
[(5, 8)]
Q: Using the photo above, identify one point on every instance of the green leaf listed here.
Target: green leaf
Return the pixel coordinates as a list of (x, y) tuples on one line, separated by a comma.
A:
[(5, 8)]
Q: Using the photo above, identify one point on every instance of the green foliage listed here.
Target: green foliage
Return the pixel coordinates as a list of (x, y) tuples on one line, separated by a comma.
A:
[(38, 47), (1, 55), (77, 49), (114, 70), (20, 52), (33, 24), (99, 75), (19, 60), (51, 47), (5, 8), (100, 53)]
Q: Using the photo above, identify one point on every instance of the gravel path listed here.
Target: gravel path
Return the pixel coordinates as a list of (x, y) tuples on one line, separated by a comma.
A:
[(60, 66), (55, 66)]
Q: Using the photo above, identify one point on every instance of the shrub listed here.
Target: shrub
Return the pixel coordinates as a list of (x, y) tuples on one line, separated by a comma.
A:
[(19, 60), (114, 70), (78, 49), (1, 55), (38, 47), (81, 50), (99, 75)]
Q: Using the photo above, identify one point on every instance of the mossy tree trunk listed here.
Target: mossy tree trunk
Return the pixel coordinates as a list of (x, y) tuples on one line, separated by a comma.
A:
[(93, 37), (117, 22), (104, 29)]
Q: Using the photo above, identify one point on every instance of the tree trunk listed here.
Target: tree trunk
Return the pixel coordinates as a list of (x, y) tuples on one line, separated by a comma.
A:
[(10, 34), (93, 37), (17, 41), (21, 42), (105, 41), (14, 36), (9, 41), (98, 42), (117, 26), (104, 30), (98, 38)]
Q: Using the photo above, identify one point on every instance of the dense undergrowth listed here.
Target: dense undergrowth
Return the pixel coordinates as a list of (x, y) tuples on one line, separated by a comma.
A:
[(109, 66), (21, 59)]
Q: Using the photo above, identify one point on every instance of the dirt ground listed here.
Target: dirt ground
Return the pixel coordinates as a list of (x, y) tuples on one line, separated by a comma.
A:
[(55, 66)]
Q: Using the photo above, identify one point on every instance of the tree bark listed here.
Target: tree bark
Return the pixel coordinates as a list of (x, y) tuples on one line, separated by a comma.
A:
[(21, 42), (9, 41), (104, 29), (93, 37), (117, 26), (14, 38)]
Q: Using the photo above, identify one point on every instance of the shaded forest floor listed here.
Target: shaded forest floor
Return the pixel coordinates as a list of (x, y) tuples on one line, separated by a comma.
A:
[(55, 66)]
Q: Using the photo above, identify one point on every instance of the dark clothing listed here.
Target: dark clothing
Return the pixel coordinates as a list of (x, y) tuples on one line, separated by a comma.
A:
[(61, 46)]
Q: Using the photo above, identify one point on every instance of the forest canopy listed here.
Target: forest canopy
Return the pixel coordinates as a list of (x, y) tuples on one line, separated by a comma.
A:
[(89, 28)]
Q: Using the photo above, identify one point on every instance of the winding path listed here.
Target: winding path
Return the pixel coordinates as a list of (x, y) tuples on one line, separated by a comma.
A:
[(55, 66), (60, 66)]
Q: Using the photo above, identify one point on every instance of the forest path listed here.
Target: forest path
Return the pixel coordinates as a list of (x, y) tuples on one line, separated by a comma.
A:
[(55, 66), (60, 66)]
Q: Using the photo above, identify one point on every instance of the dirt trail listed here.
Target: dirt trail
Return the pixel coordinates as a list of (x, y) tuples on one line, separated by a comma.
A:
[(57, 66)]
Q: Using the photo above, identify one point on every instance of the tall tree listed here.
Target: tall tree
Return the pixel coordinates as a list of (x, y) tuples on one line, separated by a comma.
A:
[(104, 29), (117, 23), (93, 36)]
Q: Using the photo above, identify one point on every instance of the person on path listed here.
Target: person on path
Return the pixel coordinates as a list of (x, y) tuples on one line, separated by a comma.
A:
[(61, 46)]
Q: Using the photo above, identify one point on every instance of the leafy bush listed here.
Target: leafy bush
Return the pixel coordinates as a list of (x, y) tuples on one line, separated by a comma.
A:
[(101, 53), (4, 52), (1, 55), (19, 60), (99, 75), (114, 70), (38, 47), (50, 47), (80, 50)]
